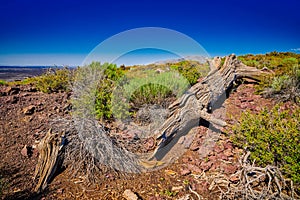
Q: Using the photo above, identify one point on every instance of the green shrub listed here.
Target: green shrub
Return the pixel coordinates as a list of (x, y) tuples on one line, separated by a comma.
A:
[(111, 74), (273, 138), (280, 82), (284, 84), (274, 60), (2, 82), (54, 80), (142, 87), (150, 93), (192, 71), (286, 87)]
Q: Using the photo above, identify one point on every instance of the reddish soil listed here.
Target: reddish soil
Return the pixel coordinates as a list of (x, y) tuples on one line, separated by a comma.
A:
[(25, 118)]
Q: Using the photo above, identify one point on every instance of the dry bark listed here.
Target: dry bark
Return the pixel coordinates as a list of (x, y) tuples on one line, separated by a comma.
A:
[(49, 157)]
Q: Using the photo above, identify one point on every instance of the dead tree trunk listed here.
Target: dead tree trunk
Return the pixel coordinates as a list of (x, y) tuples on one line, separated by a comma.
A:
[(199, 100)]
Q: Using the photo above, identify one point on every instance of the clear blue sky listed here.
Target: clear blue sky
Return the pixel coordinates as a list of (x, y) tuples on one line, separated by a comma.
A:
[(64, 32)]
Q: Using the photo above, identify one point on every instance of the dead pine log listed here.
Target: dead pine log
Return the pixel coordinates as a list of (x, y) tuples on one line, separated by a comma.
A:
[(50, 148), (198, 102)]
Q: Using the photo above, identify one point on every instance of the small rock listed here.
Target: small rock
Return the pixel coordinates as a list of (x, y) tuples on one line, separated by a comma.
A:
[(67, 107), (149, 144), (222, 156), (228, 153), (14, 100), (213, 158), (121, 126), (206, 165), (234, 178), (131, 134), (230, 169), (186, 141), (228, 145), (185, 172), (195, 146), (12, 90), (177, 188), (30, 89), (60, 191), (29, 110), (129, 195), (203, 186), (170, 172), (26, 151), (185, 197), (218, 149), (194, 168)]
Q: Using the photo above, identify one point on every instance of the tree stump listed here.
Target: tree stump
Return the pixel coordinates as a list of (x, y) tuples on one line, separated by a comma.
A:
[(50, 149)]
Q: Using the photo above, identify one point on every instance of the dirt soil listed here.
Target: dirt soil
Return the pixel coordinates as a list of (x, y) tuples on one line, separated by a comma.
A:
[(25, 118)]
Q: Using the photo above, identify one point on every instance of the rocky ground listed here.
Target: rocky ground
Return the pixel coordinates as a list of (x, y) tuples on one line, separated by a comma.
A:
[(26, 115)]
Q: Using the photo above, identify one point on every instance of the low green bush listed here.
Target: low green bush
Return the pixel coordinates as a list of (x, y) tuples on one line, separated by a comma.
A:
[(192, 71), (273, 138), (284, 84), (2, 82), (141, 87), (54, 80), (278, 61), (111, 74)]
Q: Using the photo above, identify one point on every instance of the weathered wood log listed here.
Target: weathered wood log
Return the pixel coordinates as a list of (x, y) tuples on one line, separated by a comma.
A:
[(199, 101), (49, 148)]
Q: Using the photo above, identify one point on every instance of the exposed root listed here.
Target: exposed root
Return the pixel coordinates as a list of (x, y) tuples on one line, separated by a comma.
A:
[(251, 183), (194, 192)]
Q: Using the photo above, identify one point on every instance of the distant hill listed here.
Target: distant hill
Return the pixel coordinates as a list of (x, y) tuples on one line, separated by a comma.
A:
[(200, 59)]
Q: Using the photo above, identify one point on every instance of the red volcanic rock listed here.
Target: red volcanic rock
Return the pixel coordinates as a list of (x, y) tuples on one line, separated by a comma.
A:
[(228, 152), (228, 145), (26, 151), (218, 149), (206, 165), (185, 172), (230, 169), (194, 168), (11, 91), (149, 144), (29, 110), (222, 156), (234, 178), (195, 146)]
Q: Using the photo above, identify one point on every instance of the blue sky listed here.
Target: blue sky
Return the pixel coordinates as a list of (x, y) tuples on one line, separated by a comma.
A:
[(35, 32)]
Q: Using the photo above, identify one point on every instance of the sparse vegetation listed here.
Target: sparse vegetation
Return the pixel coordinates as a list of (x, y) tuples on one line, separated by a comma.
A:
[(143, 85), (274, 60), (54, 80), (284, 85), (111, 75), (2, 82), (192, 71), (273, 138)]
